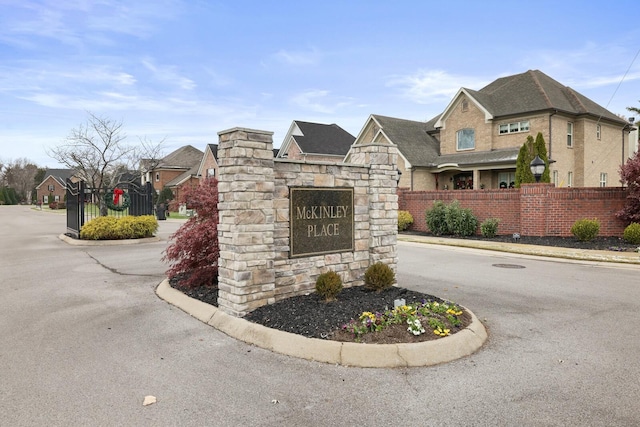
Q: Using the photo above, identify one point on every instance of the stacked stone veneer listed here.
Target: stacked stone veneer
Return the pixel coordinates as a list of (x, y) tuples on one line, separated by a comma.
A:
[(253, 233)]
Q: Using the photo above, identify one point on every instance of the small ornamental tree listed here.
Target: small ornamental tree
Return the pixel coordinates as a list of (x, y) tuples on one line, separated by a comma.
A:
[(630, 177), (193, 255)]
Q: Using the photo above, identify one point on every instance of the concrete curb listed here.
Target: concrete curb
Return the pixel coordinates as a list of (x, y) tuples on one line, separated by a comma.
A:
[(522, 249), (78, 242), (427, 353)]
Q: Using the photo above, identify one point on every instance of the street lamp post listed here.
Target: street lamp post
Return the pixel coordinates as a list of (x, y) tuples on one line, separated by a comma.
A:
[(537, 167)]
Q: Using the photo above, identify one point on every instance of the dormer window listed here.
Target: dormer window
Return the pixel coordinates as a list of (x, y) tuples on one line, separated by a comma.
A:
[(466, 139)]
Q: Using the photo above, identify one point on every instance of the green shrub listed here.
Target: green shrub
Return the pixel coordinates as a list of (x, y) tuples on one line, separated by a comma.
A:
[(379, 276), (489, 227), (101, 228), (585, 229), (405, 219), (460, 221), (329, 285), (435, 218), (632, 233), (451, 219), (112, 228)]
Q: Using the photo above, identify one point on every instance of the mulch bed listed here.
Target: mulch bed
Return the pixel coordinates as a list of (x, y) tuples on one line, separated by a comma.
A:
[(310, 316)]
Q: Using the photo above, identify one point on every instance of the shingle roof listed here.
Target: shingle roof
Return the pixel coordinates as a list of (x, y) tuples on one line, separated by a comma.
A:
[(184, 176), (323, 139), (411, 138), (535, 91), (214, 150), (60, 175), (507, 155), (183, 157)]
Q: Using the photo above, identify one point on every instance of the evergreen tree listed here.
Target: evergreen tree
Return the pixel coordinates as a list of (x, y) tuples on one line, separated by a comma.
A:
[(523, 172), (529, 150), (540, 148)]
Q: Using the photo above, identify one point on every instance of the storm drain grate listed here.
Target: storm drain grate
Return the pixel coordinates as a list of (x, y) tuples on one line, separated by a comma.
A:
[(508, 266)]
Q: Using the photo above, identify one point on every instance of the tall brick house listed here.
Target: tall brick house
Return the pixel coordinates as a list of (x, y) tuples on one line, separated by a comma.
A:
[(183, 161), (315, 141), (474, 142)]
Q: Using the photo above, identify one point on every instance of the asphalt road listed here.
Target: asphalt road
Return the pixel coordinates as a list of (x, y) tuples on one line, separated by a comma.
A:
[(83, 339)]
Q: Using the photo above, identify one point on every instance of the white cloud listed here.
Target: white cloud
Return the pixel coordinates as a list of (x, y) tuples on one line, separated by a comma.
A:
[(168, 74), (319, 101), (300, 58), (433, 86)]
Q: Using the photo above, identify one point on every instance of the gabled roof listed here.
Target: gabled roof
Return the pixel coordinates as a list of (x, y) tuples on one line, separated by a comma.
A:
[(213, 148), (182, 158), (529, 92), (317, 138), (193, 172), (414, 142), (60, 175)]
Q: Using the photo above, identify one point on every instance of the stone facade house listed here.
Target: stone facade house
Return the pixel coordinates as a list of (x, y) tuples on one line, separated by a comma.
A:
[(474, 143), (316, 142)]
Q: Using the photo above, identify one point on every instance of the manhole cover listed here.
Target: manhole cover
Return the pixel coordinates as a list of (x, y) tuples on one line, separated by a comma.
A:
[(508, 265)]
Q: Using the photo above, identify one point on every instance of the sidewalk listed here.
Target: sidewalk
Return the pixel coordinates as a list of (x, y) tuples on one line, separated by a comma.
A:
[(536, 250)]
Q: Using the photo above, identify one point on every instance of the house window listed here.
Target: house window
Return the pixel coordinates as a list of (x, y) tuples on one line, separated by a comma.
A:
[(569, 134), (56, 198), (555, 178), (45, 199), (211, 172), (603, 179), (157, 176), (466, 139), (465, 105), (507, 179), (598, 132), (51, 187), (514, 127), (570, 179)]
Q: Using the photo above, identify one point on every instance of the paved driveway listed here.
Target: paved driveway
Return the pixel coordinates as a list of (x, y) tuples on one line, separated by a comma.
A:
[(84, 339)]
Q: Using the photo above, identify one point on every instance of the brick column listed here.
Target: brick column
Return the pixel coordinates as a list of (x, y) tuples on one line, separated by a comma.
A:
[(533, 208), (246, 276)]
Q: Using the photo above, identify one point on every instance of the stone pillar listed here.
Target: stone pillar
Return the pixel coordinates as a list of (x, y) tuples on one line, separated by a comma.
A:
[(382, 160), (246, 276)]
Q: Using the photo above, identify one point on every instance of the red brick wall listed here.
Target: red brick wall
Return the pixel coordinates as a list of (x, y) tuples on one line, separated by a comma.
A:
[(533, 210)]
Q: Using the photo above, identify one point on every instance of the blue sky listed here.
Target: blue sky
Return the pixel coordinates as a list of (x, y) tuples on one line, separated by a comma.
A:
[(185, 70)]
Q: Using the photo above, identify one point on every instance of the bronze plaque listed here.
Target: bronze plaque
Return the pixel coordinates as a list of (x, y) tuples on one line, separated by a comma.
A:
[(321, 220)]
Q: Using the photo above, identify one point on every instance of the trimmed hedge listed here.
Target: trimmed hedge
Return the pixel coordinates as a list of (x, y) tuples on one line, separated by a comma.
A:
[(126, 227)]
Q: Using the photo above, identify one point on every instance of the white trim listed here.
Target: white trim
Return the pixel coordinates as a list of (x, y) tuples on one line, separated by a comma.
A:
[(294, 130), (447, 111)]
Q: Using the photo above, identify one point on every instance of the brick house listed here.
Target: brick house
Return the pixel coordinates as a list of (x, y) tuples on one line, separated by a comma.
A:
[(209, 164), (176, 164), (315, 141), (474, 142), (54, 184)]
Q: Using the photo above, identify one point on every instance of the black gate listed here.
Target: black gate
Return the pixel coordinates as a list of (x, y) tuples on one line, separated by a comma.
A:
[(83, 203), (75, 207)]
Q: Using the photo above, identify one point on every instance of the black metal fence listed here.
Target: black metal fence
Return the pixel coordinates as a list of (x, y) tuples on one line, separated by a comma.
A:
[(85, 203)]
